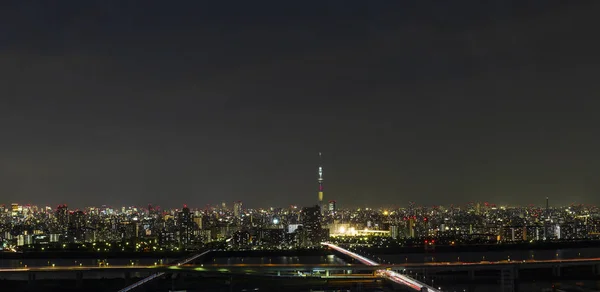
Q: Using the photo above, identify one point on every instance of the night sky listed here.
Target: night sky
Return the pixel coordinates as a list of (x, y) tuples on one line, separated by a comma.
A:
[(199, 102)]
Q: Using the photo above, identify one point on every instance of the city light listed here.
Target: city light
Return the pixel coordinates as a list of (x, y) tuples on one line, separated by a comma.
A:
[(299, 146), (175, 232)]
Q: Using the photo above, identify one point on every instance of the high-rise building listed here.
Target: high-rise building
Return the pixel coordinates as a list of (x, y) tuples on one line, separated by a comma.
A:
[(311, 225), (62, 218), (394, 231), (76, 229), (270, 236), (411, 228), (237, 209), (331, 207), (320, 181), (16, 209), (198, 221), (186, 226)]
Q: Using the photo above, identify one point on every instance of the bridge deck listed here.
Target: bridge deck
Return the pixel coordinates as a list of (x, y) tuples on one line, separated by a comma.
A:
[(382, 271)]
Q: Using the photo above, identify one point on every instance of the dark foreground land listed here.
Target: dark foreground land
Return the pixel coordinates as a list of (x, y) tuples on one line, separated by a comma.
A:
[(201, 284)]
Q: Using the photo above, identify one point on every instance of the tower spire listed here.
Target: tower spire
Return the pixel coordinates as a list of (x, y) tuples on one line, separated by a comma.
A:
[(320, 181)]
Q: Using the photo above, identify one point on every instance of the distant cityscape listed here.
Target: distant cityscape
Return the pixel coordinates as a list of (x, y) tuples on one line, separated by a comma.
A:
[(152, 229)]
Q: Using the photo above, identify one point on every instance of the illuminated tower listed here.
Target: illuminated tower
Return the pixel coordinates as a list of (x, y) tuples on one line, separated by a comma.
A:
[(320, 180)]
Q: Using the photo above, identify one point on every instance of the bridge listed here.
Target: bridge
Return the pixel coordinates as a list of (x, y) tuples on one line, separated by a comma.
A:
[(384, 272), (158, 274), (273, 268), (379, 270), (364, 268)]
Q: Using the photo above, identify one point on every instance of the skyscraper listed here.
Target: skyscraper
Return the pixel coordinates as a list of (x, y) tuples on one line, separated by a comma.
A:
[(76, 229), (320, 181), (237, 209), (62, 218), (411, 227), (332, 206), (15, 208), (185, 220), (311, 224)]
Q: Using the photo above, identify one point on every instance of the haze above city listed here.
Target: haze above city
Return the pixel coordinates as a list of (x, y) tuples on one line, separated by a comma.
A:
[(105, 103)]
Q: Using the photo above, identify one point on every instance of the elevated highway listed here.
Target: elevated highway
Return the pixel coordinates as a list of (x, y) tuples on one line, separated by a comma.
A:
[(158, 274), (306, 267), (366, 269), (383, 271)]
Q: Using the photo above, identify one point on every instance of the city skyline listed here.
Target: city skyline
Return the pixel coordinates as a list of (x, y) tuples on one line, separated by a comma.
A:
[(299, 145), (106, 103), (32, 227), (231, 205)]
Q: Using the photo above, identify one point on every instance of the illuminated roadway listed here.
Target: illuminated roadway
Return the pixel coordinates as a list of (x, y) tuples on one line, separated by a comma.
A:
[(390, 275), (156, 275), (236, 268), (366, 265), (372, 266)]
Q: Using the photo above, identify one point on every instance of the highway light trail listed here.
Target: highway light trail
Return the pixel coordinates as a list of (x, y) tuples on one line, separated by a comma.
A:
[(156, 275), (391, 275)]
